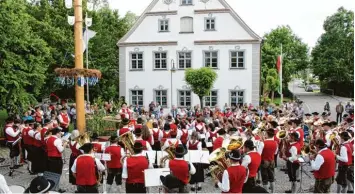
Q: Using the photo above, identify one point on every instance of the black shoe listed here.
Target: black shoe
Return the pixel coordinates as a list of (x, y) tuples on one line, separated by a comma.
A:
[(350, 192), (199, 188), (216, 186), (288, 191), (61, 191), (193, 189)]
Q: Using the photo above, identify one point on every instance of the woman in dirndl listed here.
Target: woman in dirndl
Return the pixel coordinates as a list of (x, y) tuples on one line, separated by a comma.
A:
[(75, 152), (198, 177)]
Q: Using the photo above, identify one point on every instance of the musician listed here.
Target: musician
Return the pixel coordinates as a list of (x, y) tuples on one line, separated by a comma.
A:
[(98, 147), (201, 130), (39, 155), (64, 120), (171, 140), (326, 134), (308, 116), (345, 160), (292, 162), (47, 126), (323, 164), (12, 134), (184, 133), (325, 117), (125, 112), (211, 135), (170, 183), (315, 116), (219, 140), (157, 136), (251, 160), (133, 170), (139, 123), (138, 134), (181, 168), (234, 176), (295, 124), (114, 165), (198, 177), (277, 128), (75, 152), (86, 169), (124, 127), (228, 113)]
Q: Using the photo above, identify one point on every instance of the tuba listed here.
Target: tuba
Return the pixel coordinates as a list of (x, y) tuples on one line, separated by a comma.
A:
[(83, 139), (170, 150), (219, 163), (128, 142)]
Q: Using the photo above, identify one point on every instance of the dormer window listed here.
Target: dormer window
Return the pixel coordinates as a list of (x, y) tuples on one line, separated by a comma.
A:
[(186, 25), (186, 2)]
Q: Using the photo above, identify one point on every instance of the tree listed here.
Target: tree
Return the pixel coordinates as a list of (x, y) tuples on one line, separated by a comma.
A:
[(23, 56), (272, 83), (201, 81), (333, 55)]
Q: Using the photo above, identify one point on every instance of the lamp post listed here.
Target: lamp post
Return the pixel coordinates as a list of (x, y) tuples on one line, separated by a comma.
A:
[(172, 70)]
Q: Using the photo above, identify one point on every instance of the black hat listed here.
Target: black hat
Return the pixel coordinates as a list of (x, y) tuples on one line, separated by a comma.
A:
[(47, 121), (9, 120), (320, 143), (138, 146), (221, 132), (94, 136), (345, 115), (235, 155), (270, 131), (274, 123), (87, 147), (180, 150), (170, 181), (244, 111), (307, 114), (315, 113), (349, 120), (137, 131), (113, 138), (249, 144), (345, 135), (56, 130), (64, 108), (254, 110), (125, 121), (31, 121), (297, 121), (324, 114), (334, 123), (326, 124), (40, 185), (233, 129), (139, 120), (295, 135)]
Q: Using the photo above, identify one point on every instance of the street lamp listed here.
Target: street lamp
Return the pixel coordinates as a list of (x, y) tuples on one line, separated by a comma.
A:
[(172, 70)]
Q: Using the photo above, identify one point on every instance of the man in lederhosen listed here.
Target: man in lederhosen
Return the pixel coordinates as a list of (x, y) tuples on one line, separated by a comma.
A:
[(39, 155), (12, 134), (292, 160), (114, 165), (345, 160), (252, 161)]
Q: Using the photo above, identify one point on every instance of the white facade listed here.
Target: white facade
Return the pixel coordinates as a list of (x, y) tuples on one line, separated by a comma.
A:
[(201, 34)]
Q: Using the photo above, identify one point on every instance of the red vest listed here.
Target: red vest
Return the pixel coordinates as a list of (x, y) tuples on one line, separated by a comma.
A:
[(144, 143), (199, 130), (115, 152), (38, 117), (65, 119), (52, 150), (349, 151), (74, 151), (270, 147), (27, 139), (180, 169), (254, 164), (298, 147), (85, 171), (123, 130), (156, 135), (135, 169), (217, 143), (176, 143), (36, 143), (237, 176), (43, 132), (228, 114), (97, 147), (165, 136), (327, 169), (212, 135), (301, 132), (193, 146), (8, 137), (184, 136)]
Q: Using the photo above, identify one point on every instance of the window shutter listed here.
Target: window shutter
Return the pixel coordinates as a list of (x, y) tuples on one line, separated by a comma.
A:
[(186, 24)]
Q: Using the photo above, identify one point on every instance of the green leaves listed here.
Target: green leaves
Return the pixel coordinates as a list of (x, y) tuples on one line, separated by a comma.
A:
[(200, 80)]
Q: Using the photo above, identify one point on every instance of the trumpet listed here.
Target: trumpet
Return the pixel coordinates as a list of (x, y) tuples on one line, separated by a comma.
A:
[(308, 149)]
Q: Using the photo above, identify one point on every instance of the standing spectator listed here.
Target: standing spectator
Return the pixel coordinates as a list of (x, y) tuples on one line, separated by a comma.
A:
[(348, 108), (137, 109), (157, 109), (151, 107), (339, 109), (73, 114), (326, 107), (27, 116), (174, 111), (160, 113)]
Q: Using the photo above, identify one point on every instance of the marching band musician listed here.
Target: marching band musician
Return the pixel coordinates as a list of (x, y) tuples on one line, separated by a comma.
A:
[(234, 176), (124, 129), (323, 164), (138, 134), (85, 170), (114, 165), (11, 135), (276, 127), (47, 125), (211, 135), (267, 168), (292, 160), (125, 112), (201, 130), (327, 131), (219, 140), (39, 154), (98, 147), (198, 177), (184, 133), (147, 134), (325, 117), (315, 116), (75, 152), (172, 140), (295, 127), (133, 170), (64, 120), (345, 161), (251, 160), (181, 168), (157, 136)]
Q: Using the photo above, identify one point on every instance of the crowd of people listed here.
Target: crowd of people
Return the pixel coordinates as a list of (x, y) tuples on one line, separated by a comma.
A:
[(250, 138)]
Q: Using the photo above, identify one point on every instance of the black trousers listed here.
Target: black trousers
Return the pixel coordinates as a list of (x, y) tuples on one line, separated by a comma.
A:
[(323, 185), (114, 173), (248, 186), (342, 175), (55, 165), (14, 149), (135, 188), (292, 170), (87, 189), (39, 160), (72, 179), (339, 117), (199, 176)]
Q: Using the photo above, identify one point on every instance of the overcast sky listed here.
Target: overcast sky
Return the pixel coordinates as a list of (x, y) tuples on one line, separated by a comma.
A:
[(305, 17)]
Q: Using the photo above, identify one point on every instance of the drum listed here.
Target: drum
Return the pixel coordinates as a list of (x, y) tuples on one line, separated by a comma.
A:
[(16, 189)]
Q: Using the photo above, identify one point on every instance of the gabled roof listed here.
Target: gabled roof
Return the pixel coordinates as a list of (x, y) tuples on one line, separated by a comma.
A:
[(223, 2)]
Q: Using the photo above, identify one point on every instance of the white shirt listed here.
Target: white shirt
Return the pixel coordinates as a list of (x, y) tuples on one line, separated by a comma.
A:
[(172, 141), (58, 143), (327, 138), (343, 154), (318, 162), (10, 132), (178, 134), (293, 152), (246, 159), (261, 147), (31, 133), (199, 145), (77, 145), (37, 135), (3, 185), (60, 118), (124, 167), (225, 185), (192, 168), (99, 165)]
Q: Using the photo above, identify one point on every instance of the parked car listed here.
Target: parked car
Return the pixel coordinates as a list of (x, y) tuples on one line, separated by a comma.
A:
[(312, 88)]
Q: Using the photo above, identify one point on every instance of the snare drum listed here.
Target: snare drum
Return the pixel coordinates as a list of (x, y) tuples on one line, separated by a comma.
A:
[(16, 189)]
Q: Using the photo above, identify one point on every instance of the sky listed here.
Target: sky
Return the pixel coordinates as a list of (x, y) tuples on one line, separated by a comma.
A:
[(305, 17)]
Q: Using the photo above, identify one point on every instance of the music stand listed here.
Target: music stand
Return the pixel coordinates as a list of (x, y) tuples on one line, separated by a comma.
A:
[(199, 157), (152, 177), (302, 163), (104, 157)]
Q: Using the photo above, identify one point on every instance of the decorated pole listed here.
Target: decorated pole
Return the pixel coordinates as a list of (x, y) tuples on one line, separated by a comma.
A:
[(78, 46)]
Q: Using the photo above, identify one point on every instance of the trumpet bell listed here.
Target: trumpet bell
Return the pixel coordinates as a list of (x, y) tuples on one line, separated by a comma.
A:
[(281, 134)]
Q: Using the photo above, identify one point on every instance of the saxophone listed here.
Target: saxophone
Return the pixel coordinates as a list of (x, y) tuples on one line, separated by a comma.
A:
[(170, 150), (128, 142)]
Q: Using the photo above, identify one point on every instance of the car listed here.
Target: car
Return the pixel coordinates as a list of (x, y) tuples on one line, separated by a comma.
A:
[(312, 88)]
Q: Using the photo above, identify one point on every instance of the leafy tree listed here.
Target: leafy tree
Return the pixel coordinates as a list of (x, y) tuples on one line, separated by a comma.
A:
[(23, 56), (201, 81), (333, 55), (272, 83)]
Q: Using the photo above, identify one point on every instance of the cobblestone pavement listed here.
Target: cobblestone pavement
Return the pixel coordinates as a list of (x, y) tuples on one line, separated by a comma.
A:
[(23, 178)]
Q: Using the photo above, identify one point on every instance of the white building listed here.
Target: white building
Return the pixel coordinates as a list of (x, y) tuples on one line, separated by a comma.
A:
[(189, 33)]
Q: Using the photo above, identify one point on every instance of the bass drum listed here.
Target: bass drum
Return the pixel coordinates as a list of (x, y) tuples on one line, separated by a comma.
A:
[(16, 189)]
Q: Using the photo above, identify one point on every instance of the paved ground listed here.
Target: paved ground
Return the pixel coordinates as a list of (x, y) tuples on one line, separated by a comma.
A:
[(314, 102), (23, 178)]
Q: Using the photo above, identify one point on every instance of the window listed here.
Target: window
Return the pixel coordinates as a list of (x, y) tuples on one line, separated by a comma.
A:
[(186, 2), (160, 60), (161, 97), (184, 98), (210, 24), (186, 25), (163, 25), (137, 97), (237, 59), (212, 99), (184, 60), (236, 97), (136, 61), (211, 59)]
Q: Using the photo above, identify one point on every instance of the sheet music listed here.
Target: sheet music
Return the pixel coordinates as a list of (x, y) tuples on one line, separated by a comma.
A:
[(104, 157), (198, 156), (152, 176), (189, 132), (187, 156), (202, 136), (160, 154), (209, 144)]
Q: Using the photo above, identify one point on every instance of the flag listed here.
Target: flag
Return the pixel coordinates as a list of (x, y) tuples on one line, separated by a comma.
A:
[(89, 34), (278, 64)]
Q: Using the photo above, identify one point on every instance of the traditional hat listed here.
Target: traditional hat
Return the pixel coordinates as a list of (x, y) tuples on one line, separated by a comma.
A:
[(137, 131), (345, 115), (125, 121), (180, 150), (87, 147), (249, 144), (170, 181), (138, 146), (139, 120), (254, 110), (324, 114), (235, 155), (233, 129), (113, 138), (320, 143), (295, 120), (47, 121), (270, 131), (333, 123), (64, 108), (315, 113), (40, 185), (273, 123), (327, 124), (94, 136), (221, 132), (345, 135), (307, 114)]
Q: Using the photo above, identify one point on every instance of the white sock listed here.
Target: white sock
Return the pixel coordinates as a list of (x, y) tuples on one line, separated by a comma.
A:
[(350, 185), (266, 186), (29, 165), (198, 184), (338, 188), (344, 189), (293, 187), (272, 187)]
